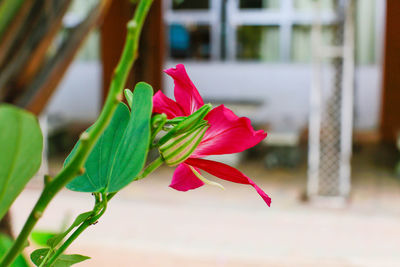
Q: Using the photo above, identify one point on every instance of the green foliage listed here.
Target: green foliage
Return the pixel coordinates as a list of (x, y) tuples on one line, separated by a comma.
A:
[(120, 153), (97, 166), (5, 244), (127, 151), (63, 261), (21, 145), (41, 237)]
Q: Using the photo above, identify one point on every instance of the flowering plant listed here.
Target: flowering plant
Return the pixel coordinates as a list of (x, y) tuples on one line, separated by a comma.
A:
[(225, 133), (112, 153)]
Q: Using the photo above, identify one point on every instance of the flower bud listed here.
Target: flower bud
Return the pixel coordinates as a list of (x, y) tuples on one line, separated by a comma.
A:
[(187, 123), (178, 148)]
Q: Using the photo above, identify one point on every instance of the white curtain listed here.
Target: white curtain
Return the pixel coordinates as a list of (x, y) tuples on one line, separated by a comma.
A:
[(301, 34), (270, 44), (366, 31)]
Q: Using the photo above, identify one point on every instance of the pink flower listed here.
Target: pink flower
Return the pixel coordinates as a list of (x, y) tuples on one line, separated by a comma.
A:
[(226, 134)]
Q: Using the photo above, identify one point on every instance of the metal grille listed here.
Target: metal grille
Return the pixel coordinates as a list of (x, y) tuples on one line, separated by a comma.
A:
[(331, 127), (331, 111)]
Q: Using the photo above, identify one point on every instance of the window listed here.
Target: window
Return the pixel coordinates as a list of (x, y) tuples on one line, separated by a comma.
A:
[(188, 5), (190, 41), (258, 30), (268, 4), (257, 43)]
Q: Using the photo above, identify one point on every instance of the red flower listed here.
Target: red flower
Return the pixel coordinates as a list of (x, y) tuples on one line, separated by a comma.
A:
[(226, 134)]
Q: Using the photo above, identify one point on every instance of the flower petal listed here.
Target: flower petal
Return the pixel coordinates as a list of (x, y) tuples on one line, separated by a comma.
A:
[(228, 173), (185, 92), (227, 134), (163, 104), (184, 179)]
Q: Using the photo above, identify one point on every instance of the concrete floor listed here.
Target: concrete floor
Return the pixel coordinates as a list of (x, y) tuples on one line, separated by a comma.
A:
[(149, 224)]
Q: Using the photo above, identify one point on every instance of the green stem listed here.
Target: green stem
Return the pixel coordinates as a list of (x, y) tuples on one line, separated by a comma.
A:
[(45, 258), (158, 122), (89, 139), (91, 220), (149, 169)]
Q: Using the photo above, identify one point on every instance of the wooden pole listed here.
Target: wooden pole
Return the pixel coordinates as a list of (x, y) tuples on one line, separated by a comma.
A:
[(149, 64), (390, 111), (45, 83)]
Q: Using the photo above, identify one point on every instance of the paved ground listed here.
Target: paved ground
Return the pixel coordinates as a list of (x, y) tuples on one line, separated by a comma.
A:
[(149, 224)]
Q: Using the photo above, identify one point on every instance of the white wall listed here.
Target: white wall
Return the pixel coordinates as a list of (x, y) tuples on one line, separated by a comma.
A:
[(78, 97)]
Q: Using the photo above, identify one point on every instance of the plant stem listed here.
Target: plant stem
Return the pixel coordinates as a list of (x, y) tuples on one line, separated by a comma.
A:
[(89, 139), (91, 220), (150, 168), (161, 119), (46, 257)]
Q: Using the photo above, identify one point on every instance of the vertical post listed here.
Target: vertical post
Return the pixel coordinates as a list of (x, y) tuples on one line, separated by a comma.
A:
[(232, 7), (315, 106), (390, 118), (331, 112), (112, 39), (149, 64), (215, 25), (347, 101), (286, 30)]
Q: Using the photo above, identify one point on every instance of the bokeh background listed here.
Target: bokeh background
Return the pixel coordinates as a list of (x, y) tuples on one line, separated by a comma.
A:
[(320, 76)]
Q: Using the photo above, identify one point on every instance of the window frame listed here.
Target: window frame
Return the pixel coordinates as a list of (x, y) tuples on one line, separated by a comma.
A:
[(225, 33)]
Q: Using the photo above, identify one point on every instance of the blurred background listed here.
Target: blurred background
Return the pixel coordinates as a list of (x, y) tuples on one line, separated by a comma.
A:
[(320, 76)]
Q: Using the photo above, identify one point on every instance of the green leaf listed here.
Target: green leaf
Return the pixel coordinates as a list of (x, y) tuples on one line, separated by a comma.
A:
[(128, 96), (5, 244), (68, 260), (41, 237), (63, 260), (21, 145), (81, 218), (97, 164), (120, 153), (52, 242), (38, 255)]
